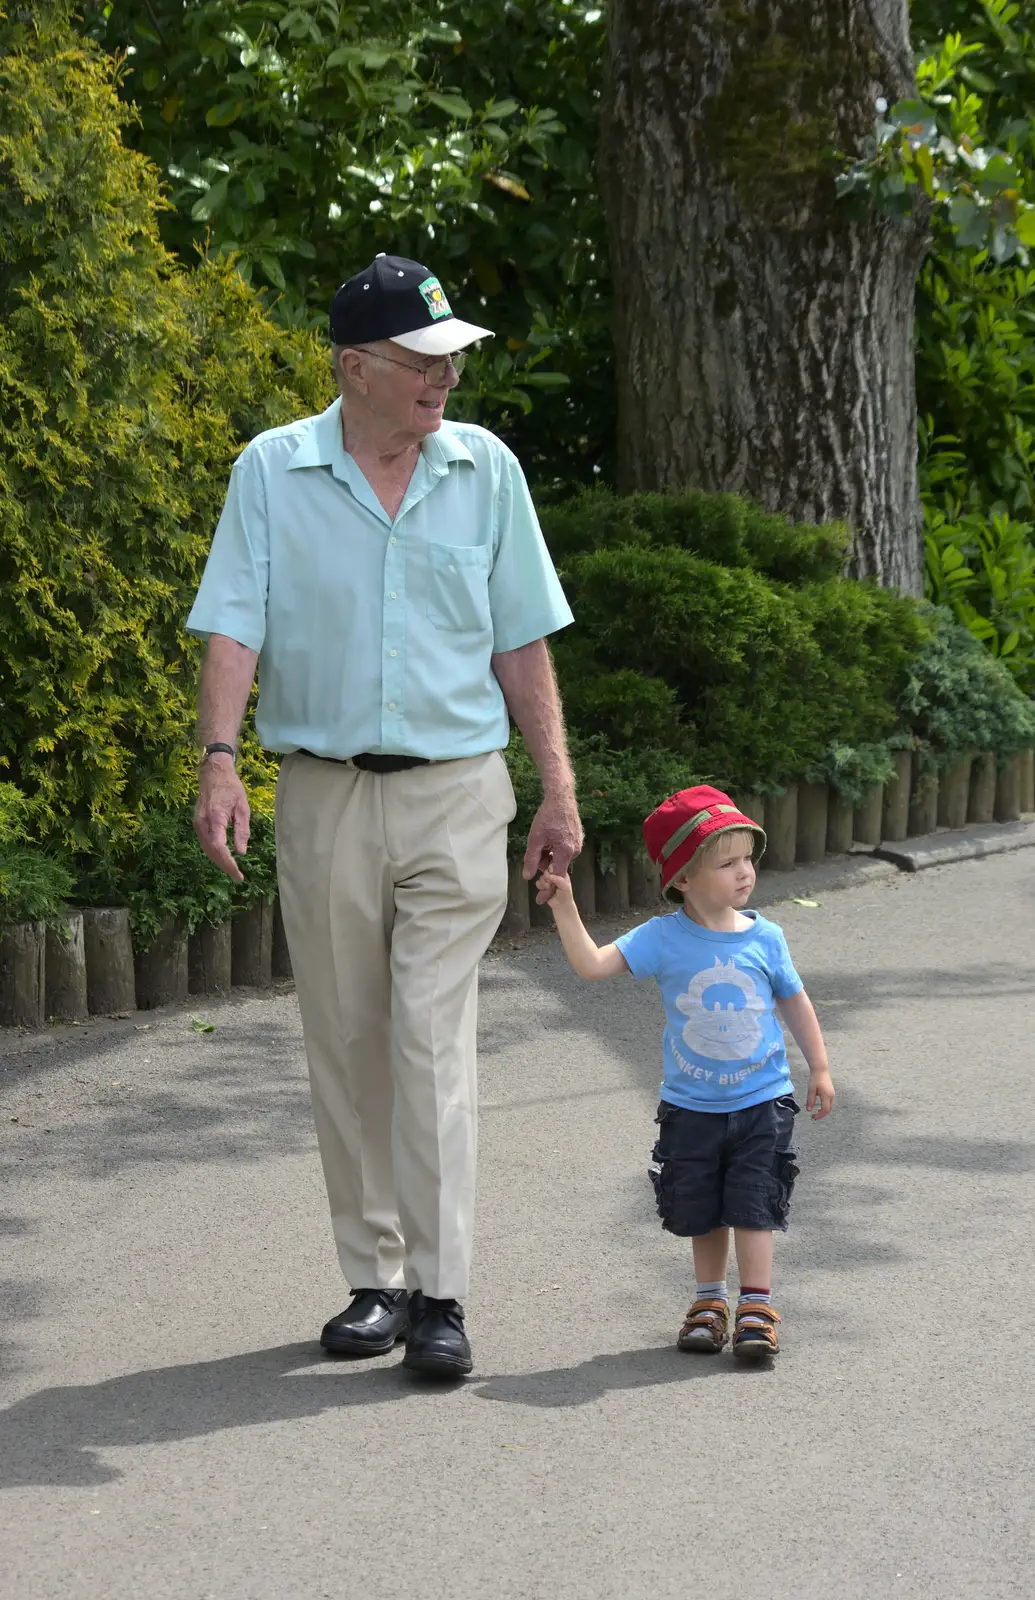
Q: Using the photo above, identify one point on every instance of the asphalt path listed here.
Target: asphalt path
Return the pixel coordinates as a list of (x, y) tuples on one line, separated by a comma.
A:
[(170, 1431)]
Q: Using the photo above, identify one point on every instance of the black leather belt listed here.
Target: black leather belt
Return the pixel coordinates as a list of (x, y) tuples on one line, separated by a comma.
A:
[(369, 763)]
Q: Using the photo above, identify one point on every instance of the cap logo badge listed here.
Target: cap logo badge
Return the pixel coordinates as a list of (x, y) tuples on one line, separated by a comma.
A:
[(435, 298)]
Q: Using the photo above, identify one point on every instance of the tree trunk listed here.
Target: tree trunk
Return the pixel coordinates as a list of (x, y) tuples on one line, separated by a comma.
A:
[(764, 336)]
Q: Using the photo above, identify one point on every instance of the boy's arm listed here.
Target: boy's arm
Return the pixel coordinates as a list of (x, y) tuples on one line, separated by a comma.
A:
[(584, 954), (798, 1013)]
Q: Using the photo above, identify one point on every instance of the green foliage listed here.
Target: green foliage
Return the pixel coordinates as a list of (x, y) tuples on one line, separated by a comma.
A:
[(158, 871), (127, 385), (617, 788), (259, 865), (34, 883), (746, 679), (983, 569), (959, 699), (723, 528), (305, 135), (853, 770), (959, 149)]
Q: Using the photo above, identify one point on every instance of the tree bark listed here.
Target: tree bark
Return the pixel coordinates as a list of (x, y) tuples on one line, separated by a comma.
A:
[(764, 335)]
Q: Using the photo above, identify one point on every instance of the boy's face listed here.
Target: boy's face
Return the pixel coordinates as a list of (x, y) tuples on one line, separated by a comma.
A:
[(725, 878)]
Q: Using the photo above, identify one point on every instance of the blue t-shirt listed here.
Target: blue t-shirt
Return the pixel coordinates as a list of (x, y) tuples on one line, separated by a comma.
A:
[(723, 1048)]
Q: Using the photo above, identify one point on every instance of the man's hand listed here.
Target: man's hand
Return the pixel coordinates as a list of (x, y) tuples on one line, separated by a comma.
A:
[(222, 804), (820, 1098), (554, 839)]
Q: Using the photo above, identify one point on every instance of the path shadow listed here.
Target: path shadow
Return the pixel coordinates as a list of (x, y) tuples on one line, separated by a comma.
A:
[(605, 1374), (53, 1437)]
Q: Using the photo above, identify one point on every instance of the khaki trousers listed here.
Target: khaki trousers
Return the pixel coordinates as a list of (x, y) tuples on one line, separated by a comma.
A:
[(391, 887)]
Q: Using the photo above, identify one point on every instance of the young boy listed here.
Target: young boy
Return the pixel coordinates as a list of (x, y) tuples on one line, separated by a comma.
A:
[(724, 1155)]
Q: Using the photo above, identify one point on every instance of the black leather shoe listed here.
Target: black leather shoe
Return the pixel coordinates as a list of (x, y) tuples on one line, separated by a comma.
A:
[(370, 1326), (436, 1343)]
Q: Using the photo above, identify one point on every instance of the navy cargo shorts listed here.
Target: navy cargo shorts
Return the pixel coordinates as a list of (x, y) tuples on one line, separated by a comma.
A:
[(732, 1168)]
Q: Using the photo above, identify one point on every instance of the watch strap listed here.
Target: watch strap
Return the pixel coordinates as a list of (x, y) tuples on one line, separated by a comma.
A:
[(220, 750)]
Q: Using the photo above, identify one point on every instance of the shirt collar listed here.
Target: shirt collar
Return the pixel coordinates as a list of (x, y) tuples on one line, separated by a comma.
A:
[(321, 444)]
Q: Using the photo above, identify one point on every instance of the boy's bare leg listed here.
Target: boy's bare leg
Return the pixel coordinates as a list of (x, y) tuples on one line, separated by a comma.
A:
[(754, 1257), (711, 1253)]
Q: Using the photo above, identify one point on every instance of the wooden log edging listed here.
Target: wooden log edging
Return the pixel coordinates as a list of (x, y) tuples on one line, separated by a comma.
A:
[(813, 817), (923, 802), (1008, 792), (281, 955), (840, 825), (981, 799), (781, 814), (895, 819), (611, 887), (110, 975), (954, 793), (22, 983), (65, 970), (208, 959), (161, 968), (251, 946), (1028, 780)]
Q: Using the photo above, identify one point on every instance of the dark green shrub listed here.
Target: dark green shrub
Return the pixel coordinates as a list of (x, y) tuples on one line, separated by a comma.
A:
[(721, 528)]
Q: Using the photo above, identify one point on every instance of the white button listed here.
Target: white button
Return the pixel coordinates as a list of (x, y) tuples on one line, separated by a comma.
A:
[(393, 540), (391, 705), (392, 595), (393, 652)]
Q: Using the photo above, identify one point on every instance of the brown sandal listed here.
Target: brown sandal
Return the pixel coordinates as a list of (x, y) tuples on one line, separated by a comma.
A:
[(755, 1335), (706, 1329)]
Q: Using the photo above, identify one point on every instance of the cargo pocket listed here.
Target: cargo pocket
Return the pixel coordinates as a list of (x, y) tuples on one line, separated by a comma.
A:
[(787, 1168), (660, 1174)]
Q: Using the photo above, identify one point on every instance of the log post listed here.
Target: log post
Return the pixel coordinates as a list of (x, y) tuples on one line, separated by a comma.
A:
[(895, 822), (281, 955), (110, 976), (517, 917), (954, 793), (161, 969), (981, 800), (251, 946), (22, 985), (781, 815), (751, 806), (869, 816), (612, 888), (65, 970), (813, 815), (208, 959), (644, 881), (840, 825), (582, 873), (1008, 792), (1028, 780), (923, 803)]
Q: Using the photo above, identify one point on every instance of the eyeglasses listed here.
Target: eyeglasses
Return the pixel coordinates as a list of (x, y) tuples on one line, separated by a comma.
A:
[(436, 372)]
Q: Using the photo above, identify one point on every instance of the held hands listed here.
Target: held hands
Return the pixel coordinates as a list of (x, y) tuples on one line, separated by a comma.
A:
[(554, 890), (222, 804), (554, 839), (820, 1098)]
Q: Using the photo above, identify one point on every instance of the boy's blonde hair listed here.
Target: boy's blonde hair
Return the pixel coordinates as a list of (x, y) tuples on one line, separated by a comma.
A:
[(705, 852)]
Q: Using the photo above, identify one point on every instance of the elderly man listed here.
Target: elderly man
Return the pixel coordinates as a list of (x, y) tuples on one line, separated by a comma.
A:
[(386, 571)]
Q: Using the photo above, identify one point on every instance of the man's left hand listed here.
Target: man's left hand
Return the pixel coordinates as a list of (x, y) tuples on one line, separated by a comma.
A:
[(554, 839)]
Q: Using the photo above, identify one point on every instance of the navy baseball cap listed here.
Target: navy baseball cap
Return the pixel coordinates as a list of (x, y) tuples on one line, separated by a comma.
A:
[(398, 299)]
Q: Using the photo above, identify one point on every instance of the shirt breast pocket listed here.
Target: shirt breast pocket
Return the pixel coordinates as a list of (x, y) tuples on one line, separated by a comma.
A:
[(458, 588)]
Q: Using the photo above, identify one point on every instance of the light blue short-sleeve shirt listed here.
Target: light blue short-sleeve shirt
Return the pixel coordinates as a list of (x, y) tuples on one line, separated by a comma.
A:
[(377, 635), (723, 1047)]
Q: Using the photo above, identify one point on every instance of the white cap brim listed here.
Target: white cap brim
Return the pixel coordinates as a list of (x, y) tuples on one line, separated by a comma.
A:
[(443, 338)]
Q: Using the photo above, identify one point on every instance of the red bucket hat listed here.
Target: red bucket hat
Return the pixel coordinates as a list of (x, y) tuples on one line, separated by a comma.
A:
[(675, 831)]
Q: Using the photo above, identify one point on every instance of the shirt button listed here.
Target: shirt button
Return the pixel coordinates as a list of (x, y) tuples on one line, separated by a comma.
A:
[(393, 652), (393, 540), (391, 705), (392, 595)]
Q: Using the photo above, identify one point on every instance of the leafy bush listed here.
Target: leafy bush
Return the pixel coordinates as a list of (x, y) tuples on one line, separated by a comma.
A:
[(127, 386), (616, 788), (747, 680), (34, 883), (722, 528), (959, 699), (158, 871)]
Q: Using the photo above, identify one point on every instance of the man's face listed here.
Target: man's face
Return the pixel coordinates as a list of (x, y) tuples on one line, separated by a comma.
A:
[(397, 392)]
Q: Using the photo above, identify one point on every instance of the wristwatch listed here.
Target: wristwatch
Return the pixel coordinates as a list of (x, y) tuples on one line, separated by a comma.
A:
[(219, 750)]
